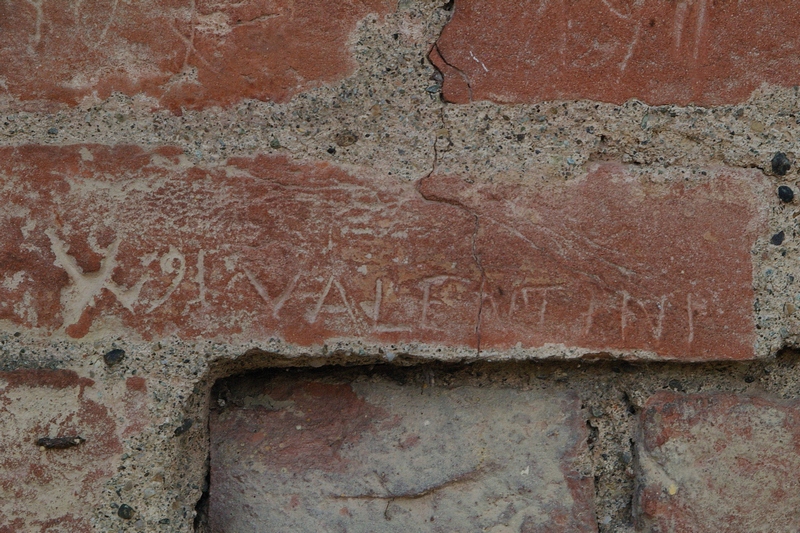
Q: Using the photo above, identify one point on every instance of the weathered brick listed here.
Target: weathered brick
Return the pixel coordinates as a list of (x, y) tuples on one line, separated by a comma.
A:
[(718, 462), (54, 489), (96, 237), (701, 52), (619, 260), (297, 455), (184, 53)]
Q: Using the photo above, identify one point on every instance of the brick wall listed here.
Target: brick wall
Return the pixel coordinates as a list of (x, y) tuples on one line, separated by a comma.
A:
[(475, 266)]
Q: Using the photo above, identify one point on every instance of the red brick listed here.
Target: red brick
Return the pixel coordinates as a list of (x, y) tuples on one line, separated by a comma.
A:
[(718, 463), (702, 52), (184, 53), (616, 261), (308, 252), (136, 384), (308, 456), (259, 247), (56, 488)]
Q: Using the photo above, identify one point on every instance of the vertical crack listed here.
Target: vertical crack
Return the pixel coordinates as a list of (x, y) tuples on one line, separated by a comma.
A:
[(436, 146), (473, 245), (440, 63), (477, 258), (436, 53)]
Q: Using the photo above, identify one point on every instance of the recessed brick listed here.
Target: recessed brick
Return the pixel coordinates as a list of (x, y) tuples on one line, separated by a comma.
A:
[(96, 237), (706, 53), (191, 54), (307, 455), (52, 488), (718, 462)]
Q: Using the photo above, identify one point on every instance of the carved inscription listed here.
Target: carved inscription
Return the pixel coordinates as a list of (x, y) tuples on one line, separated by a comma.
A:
[(659, 52), (84, 288), (526, 304), (310, 253), (186, 53)]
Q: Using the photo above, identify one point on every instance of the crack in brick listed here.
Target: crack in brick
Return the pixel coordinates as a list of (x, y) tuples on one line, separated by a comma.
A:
[(477, 260), (435, 49), (475, 256)]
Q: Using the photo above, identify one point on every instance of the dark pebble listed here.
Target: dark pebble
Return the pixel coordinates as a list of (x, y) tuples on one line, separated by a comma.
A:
[(674, 384), (183, 428), (749, 379), (332, 150), (777, 239), (125, 511), (785, 193), (781, 164), (60, 443), (114, 356), (52, 131)]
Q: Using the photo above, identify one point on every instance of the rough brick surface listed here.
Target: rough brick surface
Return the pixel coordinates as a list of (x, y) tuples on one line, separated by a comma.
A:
[(183, 53), (718, 463), (96, 237), (618, 260), (702, 52), (373, 455), (54, 489)]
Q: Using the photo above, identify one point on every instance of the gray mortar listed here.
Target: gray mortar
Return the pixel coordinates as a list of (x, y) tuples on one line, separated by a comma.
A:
[(392, 104)]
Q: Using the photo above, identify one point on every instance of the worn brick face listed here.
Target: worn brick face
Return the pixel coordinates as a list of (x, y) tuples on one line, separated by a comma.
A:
[(298, 455), (618, 260), (718, 463), (704, 52), (258, 247), (97, 237), (56, 489), (183, 53)]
